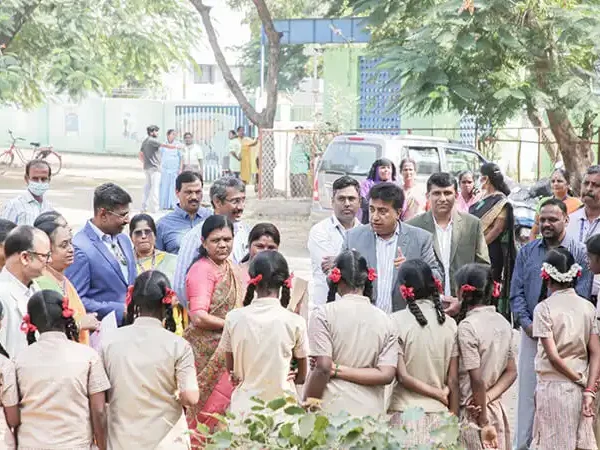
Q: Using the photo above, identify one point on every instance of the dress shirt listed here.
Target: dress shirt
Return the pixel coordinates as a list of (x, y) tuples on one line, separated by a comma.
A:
[(581, 229), (325, 238), (192, 154), (172, 227), (24, 209), (526, 283), (386, 251), (189, 251), (112, 244), (444, 241)]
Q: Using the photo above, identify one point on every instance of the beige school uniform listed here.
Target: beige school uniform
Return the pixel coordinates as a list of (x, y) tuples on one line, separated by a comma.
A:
[(486, 341), (427, 352), (56, 377), (263, 338), (558, 423), (353, 333), (9, 397), (147, 365)]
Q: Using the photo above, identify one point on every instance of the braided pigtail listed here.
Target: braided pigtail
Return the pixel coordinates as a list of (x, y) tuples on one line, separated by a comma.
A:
[(368, 292), (31, 337), (71, 329), (250, 290), (333, 288), (439, 309), (285, 296), (416, 311), (169, 319)]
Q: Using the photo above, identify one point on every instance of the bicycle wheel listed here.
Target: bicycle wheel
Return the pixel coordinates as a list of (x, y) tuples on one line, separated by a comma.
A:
[(52, 158), (6, 160)]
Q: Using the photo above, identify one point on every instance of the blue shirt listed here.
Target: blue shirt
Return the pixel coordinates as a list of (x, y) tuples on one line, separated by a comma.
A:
[(526, 282), (174, 226)]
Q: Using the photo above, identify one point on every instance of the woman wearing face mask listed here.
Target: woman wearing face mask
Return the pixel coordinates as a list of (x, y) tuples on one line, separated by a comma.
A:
[(496, 215), (53, 277), (560, 183), (382, 170)]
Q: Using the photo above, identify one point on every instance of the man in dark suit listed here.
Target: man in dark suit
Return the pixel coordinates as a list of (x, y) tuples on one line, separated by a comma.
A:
[(386, 243), (457, 237), (104, 265)]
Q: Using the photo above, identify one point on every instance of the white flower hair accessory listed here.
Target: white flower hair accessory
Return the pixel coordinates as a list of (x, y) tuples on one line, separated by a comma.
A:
[(549, 271)]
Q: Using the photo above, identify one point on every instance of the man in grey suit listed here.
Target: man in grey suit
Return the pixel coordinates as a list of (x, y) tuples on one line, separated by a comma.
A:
[(457, 237), (386, 243)]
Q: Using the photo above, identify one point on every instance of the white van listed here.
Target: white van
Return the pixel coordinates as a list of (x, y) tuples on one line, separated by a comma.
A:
[(353, 154)]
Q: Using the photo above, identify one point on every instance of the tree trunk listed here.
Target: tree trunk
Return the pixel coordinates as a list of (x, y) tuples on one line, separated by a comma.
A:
[(548, 140), (576, 152)]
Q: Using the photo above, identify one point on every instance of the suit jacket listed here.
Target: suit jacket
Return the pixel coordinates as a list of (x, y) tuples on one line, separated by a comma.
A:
[(468, 242), (415, 243), (97, 275)]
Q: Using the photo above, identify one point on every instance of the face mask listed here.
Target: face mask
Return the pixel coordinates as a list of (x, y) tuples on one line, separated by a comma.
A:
[(38, 189)]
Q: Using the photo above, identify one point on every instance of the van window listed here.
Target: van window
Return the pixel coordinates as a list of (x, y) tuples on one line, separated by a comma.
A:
[(459, 160), (427, 159), (351, 158)]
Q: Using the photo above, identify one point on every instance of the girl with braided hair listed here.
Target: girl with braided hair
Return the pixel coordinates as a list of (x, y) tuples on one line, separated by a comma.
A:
[(62, 383), (151, 371), (427, 369), (487, 366), (261, 339), (352, 343)]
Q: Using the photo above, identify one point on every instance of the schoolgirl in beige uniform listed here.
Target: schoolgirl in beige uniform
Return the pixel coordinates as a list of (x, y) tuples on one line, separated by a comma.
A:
[(487, 366), (567, 361), (151, 371), (62, 384), (352, 342), (9, 398), (261, 338), (427, 370)]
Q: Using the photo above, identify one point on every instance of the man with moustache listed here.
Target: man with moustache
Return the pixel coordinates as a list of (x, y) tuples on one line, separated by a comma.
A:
[(525, 294), (228, 197), (188, 213), (104, 265)]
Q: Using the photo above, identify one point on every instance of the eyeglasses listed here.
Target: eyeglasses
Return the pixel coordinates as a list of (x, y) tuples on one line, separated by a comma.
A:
[(121, 216), (47, 256), (237, 201), (143, 233)]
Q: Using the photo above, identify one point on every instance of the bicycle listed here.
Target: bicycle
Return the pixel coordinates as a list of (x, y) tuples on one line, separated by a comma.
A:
[(46, 153)]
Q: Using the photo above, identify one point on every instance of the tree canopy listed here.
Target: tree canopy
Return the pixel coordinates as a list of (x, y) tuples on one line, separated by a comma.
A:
[(75, 46)]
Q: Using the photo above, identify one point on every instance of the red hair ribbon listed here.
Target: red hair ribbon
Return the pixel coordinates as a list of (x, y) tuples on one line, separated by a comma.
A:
[(257, 279), (467, 288), (407, 292), (129, 295), (288, 281), (579, 273), (27, 326), (335, 275), (66, 311), (497, 289), (438, 285), (170, 297), (544, 275), (371, 274)]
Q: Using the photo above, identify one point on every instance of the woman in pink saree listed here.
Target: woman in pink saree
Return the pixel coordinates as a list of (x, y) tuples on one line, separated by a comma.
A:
[(214, 288)]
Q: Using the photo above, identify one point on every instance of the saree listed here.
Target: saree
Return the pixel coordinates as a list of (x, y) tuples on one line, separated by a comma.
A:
[(502, 250), (213, 378)]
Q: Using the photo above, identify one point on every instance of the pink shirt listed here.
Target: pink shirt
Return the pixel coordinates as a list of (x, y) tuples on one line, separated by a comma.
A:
[(200, 282), (463, 206)]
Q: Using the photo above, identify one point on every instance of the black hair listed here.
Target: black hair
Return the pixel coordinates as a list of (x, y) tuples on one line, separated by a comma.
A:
[(344, 182), (6, 226), (480, 277), (2, 349), (141, 218), (212, 223), (555, 202), (416, 274), (20, 239), (389, 193), (109, 196), (462, 173), (494, 174), (406, 161), (382, 162), (354, 270), (259, 230), (45, 310), (274, 270), (443, 180), (48, 216), (38, 163), (149, 290), (233, 132), (593, 245), (240, 128), (592, 170), (187, 133), (49, 226), (152, 128), (187, 176), (564, 172), (562, 260), (170, 130)]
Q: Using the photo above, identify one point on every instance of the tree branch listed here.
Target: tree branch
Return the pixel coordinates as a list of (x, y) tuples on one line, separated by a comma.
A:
[(20, 19), (537, 120)]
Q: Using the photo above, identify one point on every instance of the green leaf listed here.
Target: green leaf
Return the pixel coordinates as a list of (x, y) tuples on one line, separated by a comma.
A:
[(203, 429), (286, 430), (294, 410), (321, 423), (276, 404), (306, 425)]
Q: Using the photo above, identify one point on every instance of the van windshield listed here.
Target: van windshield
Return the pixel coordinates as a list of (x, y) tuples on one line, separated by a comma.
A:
[(350, 158)]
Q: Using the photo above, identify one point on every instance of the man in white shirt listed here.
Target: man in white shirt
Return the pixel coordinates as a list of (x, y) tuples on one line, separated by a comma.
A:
[(585, 222), (326, 238), (24, 208), (192, 154), (27, 252)]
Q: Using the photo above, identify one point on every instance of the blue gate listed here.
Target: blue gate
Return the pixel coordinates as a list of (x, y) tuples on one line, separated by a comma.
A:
[(210, 125)]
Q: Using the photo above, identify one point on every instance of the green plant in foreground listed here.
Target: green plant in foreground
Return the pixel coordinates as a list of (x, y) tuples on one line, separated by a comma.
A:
[(283, 424)]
